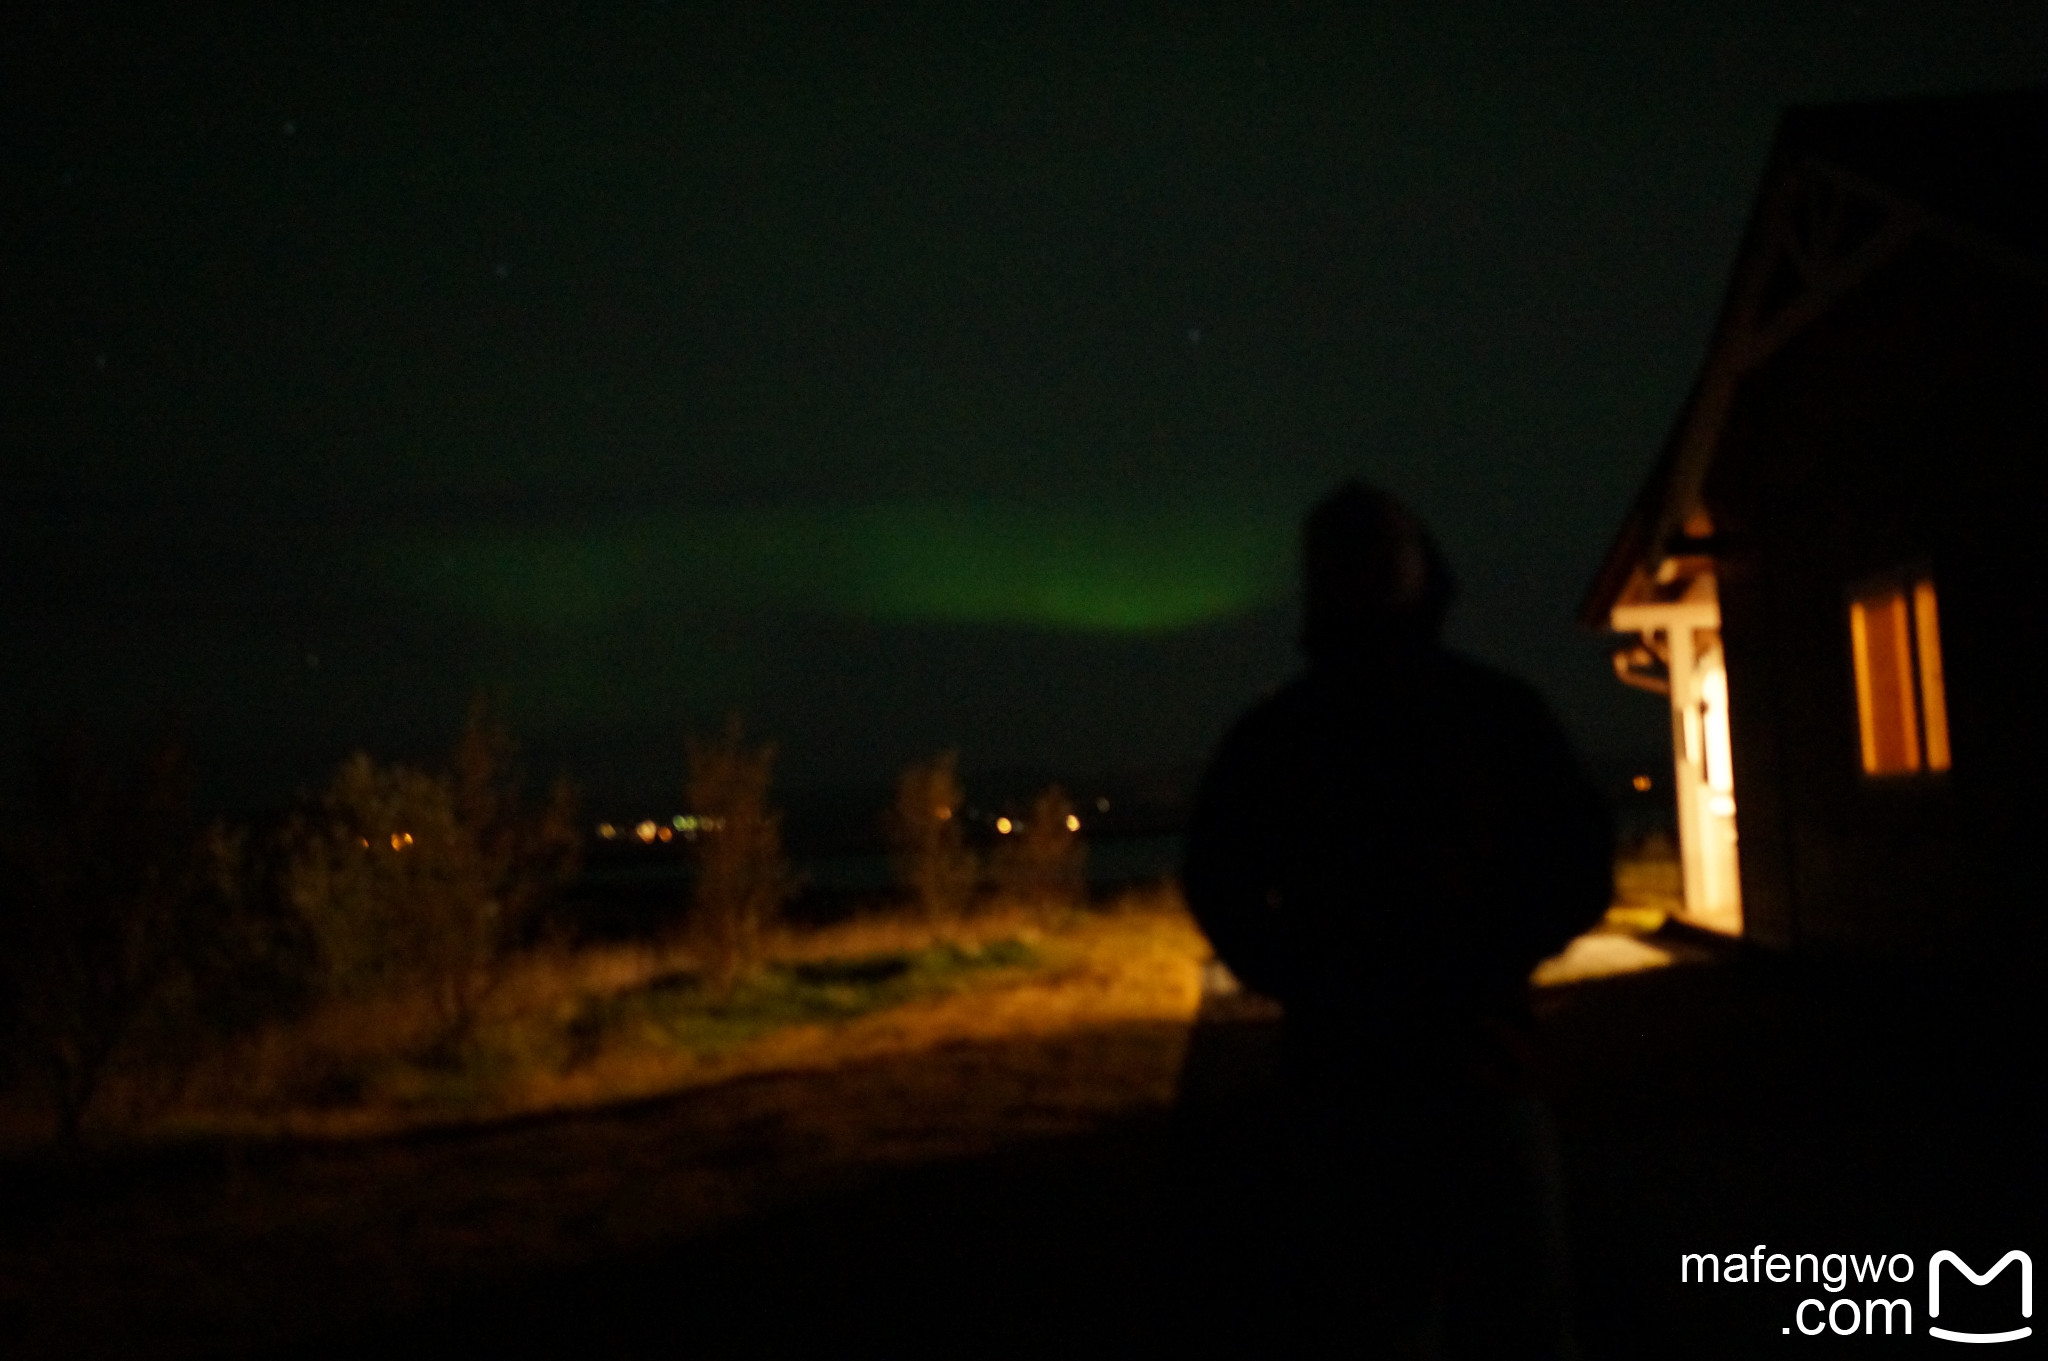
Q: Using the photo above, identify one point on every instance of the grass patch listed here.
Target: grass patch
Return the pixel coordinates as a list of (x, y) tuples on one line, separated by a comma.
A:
[(684, 1011), (575, 1029)]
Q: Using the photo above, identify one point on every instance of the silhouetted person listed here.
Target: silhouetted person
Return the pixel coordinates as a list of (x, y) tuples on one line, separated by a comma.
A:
[(1387, 846)]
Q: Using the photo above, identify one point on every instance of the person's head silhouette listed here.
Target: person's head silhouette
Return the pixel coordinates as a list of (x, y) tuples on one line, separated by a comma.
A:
[(1372, 579)]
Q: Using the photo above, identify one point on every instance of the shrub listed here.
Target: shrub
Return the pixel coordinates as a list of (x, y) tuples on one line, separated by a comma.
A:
[(1044, 862), (742, 877), (394, 890), (129, 929), (927, 839), (412, 881)]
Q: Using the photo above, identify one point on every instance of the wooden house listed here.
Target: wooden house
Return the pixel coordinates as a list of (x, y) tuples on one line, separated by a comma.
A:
[(1838, 568)]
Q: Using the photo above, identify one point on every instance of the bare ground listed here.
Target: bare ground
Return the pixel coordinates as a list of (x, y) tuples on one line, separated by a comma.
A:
[(221, 1247), (1022, 1187)]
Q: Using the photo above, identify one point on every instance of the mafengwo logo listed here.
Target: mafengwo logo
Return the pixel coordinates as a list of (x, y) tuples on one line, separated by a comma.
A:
[(1880, 1308), (1943, 1257)]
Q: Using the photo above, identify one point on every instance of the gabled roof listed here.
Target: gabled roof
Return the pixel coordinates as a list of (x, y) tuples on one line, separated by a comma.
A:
[(1974, 160), (1847, 186)]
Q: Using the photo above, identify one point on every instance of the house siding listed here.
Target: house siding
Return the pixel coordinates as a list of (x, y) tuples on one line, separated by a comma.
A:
[(1904, 426)]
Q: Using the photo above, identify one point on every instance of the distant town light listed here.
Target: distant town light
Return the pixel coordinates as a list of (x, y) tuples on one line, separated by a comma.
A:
[(1004, 825), (1102, 804), (1073, 823), (668, 834), (942, 814), (645, 831), (1641, 782), (607, 831)]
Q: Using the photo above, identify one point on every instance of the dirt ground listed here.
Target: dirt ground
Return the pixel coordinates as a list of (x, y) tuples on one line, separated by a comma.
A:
[(220, 1247), (1026, 1187)]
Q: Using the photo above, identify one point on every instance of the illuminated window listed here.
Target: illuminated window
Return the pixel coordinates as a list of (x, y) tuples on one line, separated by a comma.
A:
[(1901, 707)]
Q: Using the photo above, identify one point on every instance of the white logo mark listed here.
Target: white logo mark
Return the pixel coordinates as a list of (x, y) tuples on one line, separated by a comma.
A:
[(2026, 1294)]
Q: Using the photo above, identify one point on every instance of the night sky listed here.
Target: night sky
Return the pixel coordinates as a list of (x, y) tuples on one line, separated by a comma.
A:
[(949, 378)]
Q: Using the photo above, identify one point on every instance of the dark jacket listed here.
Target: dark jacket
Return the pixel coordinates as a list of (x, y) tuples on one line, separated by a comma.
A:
[(1388, 847)]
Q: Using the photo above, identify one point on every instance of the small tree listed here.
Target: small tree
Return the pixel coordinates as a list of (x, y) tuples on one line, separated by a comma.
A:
[(927, 839), (742, 877), (1044, 862), (527, 857)]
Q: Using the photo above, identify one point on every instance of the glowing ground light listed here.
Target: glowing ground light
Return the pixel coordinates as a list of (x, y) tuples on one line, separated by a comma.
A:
[(1073, 823), (1004, 825)]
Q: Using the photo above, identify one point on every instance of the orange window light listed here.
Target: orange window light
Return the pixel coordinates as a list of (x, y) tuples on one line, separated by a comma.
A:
[(1933, 695), (1901, 706)]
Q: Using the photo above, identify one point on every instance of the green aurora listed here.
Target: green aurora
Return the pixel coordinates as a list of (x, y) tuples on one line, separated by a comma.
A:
[(1083, 569)]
